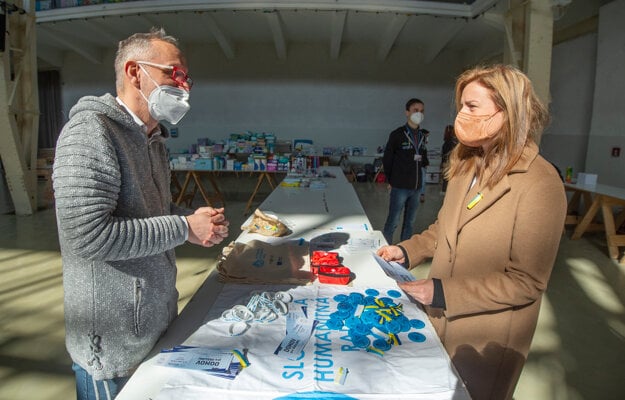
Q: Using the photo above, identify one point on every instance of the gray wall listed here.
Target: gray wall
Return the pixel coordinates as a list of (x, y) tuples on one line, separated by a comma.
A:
[(588, 100), (565, 141), (607, 128), (357, 101), (350, 101)]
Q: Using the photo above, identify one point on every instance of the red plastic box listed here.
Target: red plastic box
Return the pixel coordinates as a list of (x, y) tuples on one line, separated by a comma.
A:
[(324, 258), (336, 275), (320, 258)]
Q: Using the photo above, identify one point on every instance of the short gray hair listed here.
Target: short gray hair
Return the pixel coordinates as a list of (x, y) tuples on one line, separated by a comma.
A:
[(138, 47)]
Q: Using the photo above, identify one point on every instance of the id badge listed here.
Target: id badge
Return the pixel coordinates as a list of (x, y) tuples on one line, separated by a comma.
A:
[(417, 157)]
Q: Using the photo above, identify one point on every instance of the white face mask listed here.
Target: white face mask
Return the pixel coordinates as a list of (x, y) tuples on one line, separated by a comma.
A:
[(416, 118), (167, 103)]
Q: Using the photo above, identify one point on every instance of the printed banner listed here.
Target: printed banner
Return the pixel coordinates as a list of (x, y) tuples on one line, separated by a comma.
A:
[(366, 343)]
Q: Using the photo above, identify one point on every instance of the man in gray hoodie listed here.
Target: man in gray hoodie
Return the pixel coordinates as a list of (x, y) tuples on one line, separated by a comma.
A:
[(117, 224)]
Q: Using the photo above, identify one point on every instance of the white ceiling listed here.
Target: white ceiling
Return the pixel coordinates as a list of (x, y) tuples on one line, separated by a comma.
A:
[(429, 27), (390, 25)]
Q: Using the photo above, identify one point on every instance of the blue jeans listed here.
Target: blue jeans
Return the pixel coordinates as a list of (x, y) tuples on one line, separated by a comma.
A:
[(401, 199), (106, 389)]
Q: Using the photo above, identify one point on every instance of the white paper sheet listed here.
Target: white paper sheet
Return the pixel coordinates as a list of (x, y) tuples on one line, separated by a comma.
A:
[(394, 269)]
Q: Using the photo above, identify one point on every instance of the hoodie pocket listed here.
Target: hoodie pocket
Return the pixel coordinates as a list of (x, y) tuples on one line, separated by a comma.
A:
[(138, 294)]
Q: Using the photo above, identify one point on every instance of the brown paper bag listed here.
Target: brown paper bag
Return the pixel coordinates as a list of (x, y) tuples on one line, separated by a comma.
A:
[(266, 225), (260, 262)]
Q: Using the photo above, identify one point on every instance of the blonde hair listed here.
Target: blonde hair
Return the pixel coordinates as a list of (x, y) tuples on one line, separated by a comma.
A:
[(524, 114), (138, 47)]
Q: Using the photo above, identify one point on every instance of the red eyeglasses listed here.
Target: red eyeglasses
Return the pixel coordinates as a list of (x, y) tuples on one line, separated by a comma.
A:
[(177, 74)]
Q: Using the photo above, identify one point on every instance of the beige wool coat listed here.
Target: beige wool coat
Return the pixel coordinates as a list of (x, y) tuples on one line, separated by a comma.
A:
[(494, 261)]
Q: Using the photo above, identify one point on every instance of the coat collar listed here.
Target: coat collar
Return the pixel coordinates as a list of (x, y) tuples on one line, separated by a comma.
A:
[(459, 195)]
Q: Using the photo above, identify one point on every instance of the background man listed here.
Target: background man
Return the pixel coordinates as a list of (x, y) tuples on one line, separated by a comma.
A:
[(404, 156)]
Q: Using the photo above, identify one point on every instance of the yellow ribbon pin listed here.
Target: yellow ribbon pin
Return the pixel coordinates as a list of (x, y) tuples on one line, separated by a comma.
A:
[(479, 196)]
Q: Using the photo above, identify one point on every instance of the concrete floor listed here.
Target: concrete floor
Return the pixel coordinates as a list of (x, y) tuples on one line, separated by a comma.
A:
[(578, 350)]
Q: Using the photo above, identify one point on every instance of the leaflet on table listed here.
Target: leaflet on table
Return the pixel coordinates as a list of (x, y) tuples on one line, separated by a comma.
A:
[(394, 269), (350, 241), (352, 227), (218, 362), (360, 242), (299, 328)]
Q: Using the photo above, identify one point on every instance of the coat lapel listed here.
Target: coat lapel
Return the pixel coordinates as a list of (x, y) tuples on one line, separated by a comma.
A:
[(454, 198), (482, 199), (462, 198)]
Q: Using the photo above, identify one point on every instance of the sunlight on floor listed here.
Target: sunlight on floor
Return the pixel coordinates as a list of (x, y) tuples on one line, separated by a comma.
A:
[(546, 338), (191, 277), (595, 286), (544, 377), (57, 387)]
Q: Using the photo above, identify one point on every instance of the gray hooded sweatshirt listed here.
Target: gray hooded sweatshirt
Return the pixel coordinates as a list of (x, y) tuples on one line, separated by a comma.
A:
[(117, 235)]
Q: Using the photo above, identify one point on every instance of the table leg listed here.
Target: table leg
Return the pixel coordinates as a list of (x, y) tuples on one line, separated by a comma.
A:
[(183, 189), (572, 209), (270, 179), (620, 219), (610, 230), (175, 182), (198, 182), (211, 179), (587, 201), (258, 183), (587, 218), (614, 240)]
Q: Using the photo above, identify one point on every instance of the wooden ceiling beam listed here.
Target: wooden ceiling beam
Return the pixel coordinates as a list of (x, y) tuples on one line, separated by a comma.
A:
[(90, 53), (390, 35), (336, 33), (224, 42), (273, 18)]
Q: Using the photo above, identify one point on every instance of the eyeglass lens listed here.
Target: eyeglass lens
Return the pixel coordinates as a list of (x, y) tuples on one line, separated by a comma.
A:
[(181, 77)]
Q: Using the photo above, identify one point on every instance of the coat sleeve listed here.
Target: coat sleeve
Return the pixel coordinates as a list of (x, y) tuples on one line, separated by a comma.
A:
[(87, 184), (535, 239), (421, 246)]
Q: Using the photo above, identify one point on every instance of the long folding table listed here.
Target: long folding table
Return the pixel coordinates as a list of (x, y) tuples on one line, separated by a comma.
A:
[(343, 357)]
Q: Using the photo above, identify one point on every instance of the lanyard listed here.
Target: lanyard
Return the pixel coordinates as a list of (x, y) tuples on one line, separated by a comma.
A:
[(412, 140)]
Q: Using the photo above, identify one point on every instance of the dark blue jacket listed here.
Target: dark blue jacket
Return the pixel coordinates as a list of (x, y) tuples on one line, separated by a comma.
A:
[(401, 168)]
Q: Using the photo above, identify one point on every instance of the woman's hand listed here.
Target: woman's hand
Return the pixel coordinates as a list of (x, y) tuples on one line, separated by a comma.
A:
[(392, 253), (421, 290)]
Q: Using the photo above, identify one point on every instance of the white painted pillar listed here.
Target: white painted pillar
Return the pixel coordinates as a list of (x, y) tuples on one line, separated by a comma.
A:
[(19, 109)]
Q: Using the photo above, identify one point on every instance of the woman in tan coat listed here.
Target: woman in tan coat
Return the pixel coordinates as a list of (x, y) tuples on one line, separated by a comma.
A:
[(495, 241)]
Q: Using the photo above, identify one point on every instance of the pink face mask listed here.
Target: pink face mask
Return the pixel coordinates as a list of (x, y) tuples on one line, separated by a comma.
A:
[(475, 130)]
